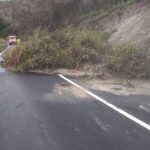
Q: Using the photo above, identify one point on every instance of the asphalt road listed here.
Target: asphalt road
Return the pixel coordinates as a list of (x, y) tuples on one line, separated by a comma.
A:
[(36, 114)]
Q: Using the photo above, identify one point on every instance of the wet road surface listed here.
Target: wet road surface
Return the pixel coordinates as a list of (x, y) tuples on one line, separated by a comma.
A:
[(36, 114)]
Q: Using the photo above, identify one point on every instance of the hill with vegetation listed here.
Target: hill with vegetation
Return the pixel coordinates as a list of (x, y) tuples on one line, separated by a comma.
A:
[(73, 33)]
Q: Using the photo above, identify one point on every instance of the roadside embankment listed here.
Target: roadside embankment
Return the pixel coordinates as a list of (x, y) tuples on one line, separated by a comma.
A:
[(104, 81), (74, 49), (117, 42)]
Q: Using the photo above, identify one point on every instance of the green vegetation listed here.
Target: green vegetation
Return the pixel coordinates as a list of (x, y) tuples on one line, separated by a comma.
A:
[(52, 46), (105, 12), (122, 4), (67, 48), (129, 61), (71, 48), (99, 14), (3, 45), (5, 27)]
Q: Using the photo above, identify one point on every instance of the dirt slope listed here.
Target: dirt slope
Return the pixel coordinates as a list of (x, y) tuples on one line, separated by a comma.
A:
[(132, 25)]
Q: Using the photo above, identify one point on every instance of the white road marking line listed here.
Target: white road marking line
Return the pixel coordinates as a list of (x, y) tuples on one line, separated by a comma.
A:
[(129, 116)]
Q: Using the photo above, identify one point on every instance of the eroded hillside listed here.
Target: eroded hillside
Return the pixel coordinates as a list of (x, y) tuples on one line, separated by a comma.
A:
[(131, 25)]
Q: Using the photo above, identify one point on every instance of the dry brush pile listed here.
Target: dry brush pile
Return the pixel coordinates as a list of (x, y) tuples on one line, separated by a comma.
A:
[(67, 48)]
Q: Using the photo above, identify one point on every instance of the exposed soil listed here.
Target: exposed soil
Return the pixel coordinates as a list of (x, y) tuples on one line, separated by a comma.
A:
[(66, 91), (100, 80), (69, 89), (121, 86), (131, 25)]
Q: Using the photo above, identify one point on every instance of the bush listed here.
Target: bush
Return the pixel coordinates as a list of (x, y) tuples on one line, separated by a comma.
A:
[(5, 27), (132, 62), (67, 48), (3, 45)]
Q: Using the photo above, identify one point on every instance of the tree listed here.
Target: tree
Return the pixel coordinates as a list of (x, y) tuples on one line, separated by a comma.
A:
[(28, 14)]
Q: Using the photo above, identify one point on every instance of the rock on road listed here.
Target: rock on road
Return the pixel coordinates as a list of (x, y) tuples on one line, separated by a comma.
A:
[(41, 112)]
